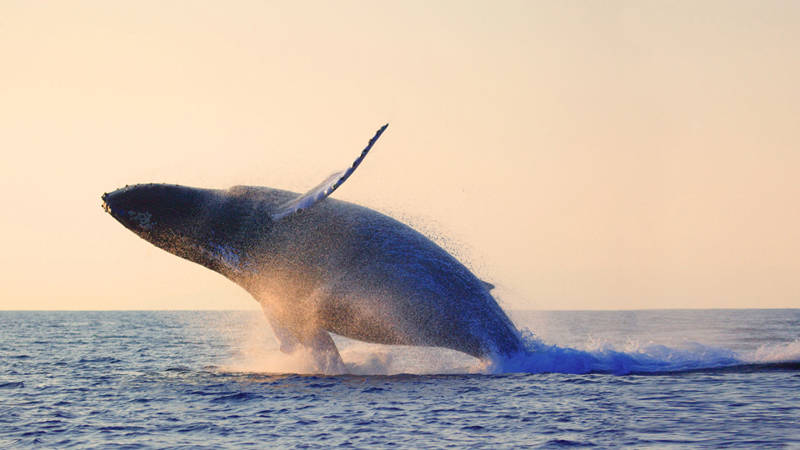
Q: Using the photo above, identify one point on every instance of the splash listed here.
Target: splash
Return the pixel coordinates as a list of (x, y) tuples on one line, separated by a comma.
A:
[(786, 352), (255, 351), (637, 358), (633, 358), (359, 358)]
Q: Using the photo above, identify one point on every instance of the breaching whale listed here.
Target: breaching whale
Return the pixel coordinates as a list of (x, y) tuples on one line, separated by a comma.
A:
[(318, 266)]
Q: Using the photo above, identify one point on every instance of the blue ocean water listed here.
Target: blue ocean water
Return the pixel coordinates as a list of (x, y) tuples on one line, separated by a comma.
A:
[(216, 379)]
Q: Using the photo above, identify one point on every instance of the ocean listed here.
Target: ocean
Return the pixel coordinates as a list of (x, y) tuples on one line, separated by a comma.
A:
[(215, 379)]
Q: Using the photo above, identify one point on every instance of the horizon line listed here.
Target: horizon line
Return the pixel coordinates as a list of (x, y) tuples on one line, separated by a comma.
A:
[(509, 309)]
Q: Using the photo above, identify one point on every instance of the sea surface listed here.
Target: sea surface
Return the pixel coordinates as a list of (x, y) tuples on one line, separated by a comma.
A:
[(680, 378)]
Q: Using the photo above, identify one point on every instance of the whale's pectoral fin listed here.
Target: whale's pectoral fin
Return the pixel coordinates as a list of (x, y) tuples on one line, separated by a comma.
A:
[(324, 352), (325, 188), (315, 340), (487, 285), (286, 340)]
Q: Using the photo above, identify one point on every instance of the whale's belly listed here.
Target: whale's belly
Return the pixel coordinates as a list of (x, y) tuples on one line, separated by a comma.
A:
[(395, 286), (369, 277)]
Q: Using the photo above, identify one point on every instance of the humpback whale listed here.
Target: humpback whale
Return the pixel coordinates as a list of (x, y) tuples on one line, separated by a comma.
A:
[(318, 265)]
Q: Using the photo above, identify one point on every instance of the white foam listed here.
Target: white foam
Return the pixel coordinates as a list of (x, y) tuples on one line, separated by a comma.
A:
[(359, 359), (258, 352), (775, 353)]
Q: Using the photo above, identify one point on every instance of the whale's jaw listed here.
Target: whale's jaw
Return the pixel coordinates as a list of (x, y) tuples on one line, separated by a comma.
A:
[(106, 207), (131, 207), (173, 218)]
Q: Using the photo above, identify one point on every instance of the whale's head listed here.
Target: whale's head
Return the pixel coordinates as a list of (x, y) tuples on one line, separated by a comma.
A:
[(201, 225)]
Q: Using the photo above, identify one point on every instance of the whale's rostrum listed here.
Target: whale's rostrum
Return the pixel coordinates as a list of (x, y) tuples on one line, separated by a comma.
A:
[(318, 265)]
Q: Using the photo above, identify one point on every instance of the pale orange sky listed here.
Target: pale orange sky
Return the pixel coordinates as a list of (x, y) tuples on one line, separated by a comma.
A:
[(580, 155)]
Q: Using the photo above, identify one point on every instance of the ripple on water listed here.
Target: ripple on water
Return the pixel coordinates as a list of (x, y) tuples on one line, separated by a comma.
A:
[(143, 388)]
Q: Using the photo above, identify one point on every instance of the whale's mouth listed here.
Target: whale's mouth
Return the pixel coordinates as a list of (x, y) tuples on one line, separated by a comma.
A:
[(116, 202), (114, 207), (137, 220), (105, 205)]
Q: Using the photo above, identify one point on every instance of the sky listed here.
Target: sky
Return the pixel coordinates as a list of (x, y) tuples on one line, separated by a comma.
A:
[(579, 155)]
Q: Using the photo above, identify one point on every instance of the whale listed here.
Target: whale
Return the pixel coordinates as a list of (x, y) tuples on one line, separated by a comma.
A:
[(318, 265)]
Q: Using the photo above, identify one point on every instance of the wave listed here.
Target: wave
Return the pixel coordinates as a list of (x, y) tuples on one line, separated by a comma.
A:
[(540, 357), (649, 358), (618, 357)]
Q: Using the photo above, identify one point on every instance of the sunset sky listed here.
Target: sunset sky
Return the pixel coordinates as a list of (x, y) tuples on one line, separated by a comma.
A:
[(579, 155)]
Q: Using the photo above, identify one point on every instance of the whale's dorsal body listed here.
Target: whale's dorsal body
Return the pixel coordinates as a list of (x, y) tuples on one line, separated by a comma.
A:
[(318, 265), (349, 270)]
